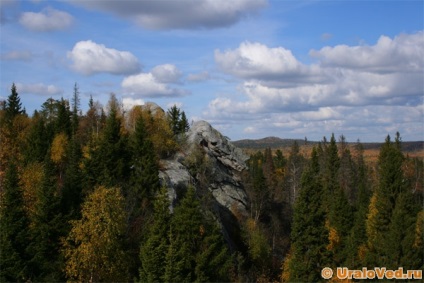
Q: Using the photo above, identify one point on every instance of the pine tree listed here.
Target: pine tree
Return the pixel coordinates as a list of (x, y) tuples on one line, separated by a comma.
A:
[(14, 229), (213, 260), (111, 156), (63, 119), (174, 119), (358, 238), (48, 228), (183, 125), (399, 246), (75, 108), (383, 201), (144, 177), (154, 250), (309, 235), (13, 105), (186, 224)]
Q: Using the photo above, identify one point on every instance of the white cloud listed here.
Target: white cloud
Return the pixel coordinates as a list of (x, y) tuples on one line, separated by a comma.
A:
[(403, 53), (38, 89), (183, 14), (90, 58), (350, 89), (166, 73), (48, 19), (23, 55), (146, 85), (276, 66)]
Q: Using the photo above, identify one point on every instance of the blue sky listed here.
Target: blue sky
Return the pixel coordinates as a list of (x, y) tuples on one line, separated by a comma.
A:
[(252, 68)]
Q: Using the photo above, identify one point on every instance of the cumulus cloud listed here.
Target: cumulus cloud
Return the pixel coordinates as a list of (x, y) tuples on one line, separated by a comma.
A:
[(256, 61), (166, 73), (403, 53), (183, 14), (48, 19), (280, 92), (90, 58), (21, 55), (147, 85), (38, 89)]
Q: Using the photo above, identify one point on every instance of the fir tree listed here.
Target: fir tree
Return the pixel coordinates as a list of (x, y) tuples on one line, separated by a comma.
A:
[(391, 183), (309, 235), (111, 156), (186, 224), (183, 125), (154, 250), (48, 228), (13, 105), (75, 108), (174, 119), (144, 177), (14, 229)]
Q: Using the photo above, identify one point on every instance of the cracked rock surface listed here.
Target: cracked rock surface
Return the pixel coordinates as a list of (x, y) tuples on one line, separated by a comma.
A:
[(226, 161)]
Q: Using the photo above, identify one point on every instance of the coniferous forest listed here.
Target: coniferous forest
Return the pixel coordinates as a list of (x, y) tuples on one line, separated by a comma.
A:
[(81, 200)]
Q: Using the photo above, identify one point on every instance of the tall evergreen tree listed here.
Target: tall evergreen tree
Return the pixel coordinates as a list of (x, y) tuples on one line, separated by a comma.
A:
[(47, 230), (154, 249), (75, 108), (185, 227), (183, 124), (144, 177), (390, 184), (309, 235), (174, 119), (13, 229), (13, 105), (110, 158)]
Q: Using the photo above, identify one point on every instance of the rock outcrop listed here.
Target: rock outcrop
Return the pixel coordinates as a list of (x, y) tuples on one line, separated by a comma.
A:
[(218, 174), (226, 162)]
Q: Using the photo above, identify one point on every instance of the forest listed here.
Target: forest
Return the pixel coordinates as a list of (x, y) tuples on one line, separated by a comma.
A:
[(81, 200)]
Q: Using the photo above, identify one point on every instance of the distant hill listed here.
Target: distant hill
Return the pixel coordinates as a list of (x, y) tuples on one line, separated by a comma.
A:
[(275, 142)]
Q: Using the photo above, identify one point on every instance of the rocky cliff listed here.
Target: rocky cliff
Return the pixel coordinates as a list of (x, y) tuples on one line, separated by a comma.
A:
[(210, 163)]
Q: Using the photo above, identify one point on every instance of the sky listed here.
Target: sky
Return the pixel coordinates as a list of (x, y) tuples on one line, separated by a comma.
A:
[(251, 68)]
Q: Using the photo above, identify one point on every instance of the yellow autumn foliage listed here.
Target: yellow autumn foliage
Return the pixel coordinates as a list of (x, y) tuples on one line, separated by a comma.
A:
[(371, 221), (333, 236), (419, 230), (58, 150), (93, 249), (30, 180)]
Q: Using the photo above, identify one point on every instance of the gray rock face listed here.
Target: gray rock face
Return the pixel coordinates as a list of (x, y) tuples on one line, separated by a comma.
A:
[(215, 144), (212, 165), (225, 162), (173, 175)]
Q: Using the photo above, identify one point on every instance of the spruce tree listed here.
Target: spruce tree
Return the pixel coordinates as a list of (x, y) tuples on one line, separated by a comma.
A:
[(309, 235), (13, 105), (47, 230), (144, 177), (174, 119), (155, 248), (185, 226), (111, 155), (183, 125), (390, 185), (75, 108), (14, 224)]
